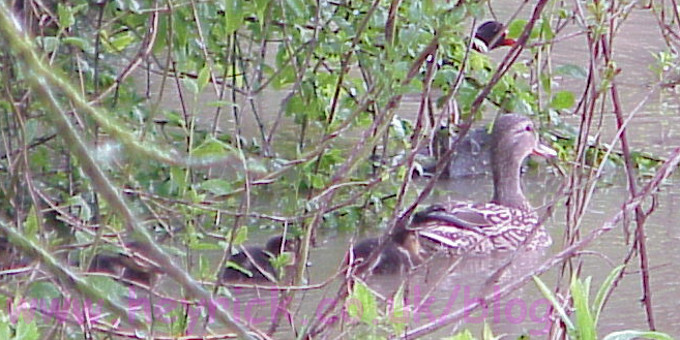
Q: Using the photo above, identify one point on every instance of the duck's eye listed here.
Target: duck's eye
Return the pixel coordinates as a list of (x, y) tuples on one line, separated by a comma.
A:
[(529, 128)]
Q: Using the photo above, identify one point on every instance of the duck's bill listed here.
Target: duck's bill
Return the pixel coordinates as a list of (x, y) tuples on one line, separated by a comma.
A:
[(507, 42), (544, 151)]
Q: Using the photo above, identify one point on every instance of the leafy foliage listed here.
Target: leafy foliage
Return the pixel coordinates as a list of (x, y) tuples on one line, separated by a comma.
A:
[(586, 315)]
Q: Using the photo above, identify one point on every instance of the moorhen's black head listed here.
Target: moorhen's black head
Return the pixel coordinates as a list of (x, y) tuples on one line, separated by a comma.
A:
[(492, 34)]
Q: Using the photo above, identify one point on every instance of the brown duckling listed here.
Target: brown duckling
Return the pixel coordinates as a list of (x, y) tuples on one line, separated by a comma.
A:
[(400, 253), (256, 261), (135, 269), (10, 257)]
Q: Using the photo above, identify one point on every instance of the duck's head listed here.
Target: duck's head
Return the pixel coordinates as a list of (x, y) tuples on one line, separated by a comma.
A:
[(279, 244), (492, 35), (408, 240), (512, 140)]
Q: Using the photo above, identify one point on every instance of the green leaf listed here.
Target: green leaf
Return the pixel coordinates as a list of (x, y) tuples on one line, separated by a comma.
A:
[(85, 210), (516, 28), (43, 290), (297, 7), (464, 335), (121, 41), (398, 317), (225, 103), (114, 290), (487, 333), (546, 81), (212, 147), (260, 8), (256, 165), (281, 261), (584, 320), (361, 304), (206, 246), (606, 286), (562, 100), (548, 33), (398, 127), (571, 70), (5, 332), (80, 43), (194, 196), (31, 224), (234, 265), (191, 85), (330, 159), (241, 236), (553, 300), (295, 106), (26, 330), (203, 78), (66, 18), (216, 186), (233, 15), (284, 78), (177, 179), (48, 44), (316, 181), (632, 334)]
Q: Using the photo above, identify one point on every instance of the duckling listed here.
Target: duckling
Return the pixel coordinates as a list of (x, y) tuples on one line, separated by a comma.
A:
[(257, 261), (134, 269), (400, 254), (10, 257)]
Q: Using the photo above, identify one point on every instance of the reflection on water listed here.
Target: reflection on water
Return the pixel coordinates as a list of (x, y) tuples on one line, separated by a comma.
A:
[(465, 281)]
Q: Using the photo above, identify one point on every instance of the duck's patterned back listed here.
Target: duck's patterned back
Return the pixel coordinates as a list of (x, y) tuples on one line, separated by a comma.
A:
[(482, 227)]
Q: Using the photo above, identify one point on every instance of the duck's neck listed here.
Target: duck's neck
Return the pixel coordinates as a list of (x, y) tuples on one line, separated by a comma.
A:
[(507, 185)]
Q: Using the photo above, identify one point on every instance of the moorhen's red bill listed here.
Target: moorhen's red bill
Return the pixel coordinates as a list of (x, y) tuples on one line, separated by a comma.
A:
[(492, 34)]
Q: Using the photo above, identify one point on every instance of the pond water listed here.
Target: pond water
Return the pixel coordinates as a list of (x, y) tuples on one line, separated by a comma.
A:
[(447, 284), (653, 130)]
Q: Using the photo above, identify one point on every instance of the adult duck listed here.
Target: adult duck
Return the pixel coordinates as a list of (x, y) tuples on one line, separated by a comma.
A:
[(508, 220), (400, 253), (491, 35), (254, 262)]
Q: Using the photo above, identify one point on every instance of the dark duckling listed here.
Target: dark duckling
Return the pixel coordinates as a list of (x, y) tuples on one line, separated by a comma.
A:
[(10, 257), (257, 261), (400, 254), (134, 269)]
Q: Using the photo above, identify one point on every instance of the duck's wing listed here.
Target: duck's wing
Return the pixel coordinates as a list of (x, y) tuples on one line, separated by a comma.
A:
[(478, 218), (466, 226)]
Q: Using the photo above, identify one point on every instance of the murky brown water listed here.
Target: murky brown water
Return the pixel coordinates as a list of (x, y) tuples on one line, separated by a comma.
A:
[(653, 129), (440, 292)]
